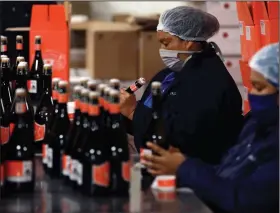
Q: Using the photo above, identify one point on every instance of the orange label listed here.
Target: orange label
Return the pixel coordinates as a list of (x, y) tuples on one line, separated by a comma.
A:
[(4, 134), (4, 48), (101, 174), (2, 174), (105, 105), (84, 107), (126, 171), (133, 87), (19, 46), (65, 164), (166, 183), (77, 104), (37, 46), (144, 152), (39, 131), (18, 171), (71, 116), (101, 101), (44, 152), (166, 195), (55, 94), (63, 98), (12, 126), (114, 108), (93, 110)]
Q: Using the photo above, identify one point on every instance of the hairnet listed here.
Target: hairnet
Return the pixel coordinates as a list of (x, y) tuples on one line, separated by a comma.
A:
[(266, 62), (188, 23)]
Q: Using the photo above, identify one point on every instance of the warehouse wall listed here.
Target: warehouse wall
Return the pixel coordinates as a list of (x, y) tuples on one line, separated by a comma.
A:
[(140, 7)]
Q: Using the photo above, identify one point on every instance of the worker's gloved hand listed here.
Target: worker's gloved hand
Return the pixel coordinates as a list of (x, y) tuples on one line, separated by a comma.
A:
[(128, 103)]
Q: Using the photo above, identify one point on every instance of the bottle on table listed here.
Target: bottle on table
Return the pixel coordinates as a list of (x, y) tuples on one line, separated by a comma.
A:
[(6, 92), (66, 172), (21, 83), (95, 155), (19, 163), (136, 85), (35, 83), (156, 131), (118, 146), (4, 45), (115, 83), (92, 85), (44, 114), (58, 132), (77, 167)]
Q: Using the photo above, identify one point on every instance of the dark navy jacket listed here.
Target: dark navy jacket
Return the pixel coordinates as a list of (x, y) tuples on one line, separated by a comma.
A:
[(247, 180), (202, 109)]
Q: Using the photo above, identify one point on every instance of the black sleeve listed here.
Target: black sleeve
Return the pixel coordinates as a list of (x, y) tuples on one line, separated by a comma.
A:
[(127, 124)]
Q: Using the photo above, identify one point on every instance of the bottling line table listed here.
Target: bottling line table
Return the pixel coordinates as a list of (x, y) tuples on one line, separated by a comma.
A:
[(52, 196)]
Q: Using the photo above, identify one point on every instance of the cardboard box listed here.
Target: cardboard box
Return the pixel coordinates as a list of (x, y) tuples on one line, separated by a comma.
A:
[(50, 23), (11, 34), (149, 59), (112, 50), (269, 31)]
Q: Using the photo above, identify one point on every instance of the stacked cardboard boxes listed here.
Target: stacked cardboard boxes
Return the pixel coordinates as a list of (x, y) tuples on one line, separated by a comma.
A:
[(259, 26)]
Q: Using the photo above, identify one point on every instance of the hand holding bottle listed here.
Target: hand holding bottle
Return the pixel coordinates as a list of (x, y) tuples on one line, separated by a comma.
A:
[(127, 104)]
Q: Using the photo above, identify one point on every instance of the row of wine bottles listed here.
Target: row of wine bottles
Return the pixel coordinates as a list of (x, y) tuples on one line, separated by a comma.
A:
[(90, 153), (34, 75)]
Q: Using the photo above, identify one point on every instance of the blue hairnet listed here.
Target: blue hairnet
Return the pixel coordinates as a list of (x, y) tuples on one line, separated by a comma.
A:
[(266, 62), (188, 23)]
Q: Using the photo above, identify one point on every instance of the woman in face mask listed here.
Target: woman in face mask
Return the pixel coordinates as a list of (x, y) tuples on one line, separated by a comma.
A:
[(201, 104), (247, 179)]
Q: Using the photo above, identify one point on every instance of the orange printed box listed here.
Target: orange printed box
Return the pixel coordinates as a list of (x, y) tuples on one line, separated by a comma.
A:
[(50, 23)]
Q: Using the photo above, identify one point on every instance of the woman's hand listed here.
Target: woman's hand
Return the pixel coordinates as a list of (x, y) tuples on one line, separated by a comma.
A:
[(165, 162), (128, 103)]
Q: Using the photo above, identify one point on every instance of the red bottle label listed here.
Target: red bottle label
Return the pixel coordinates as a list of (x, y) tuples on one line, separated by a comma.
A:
[(126, 171), (12, 126), (4, 134), (19, 171), (101, 174), (65, 165), (4, 48), (19, 46), (2, 174), (39, 132), (44, 153), (133, 87)]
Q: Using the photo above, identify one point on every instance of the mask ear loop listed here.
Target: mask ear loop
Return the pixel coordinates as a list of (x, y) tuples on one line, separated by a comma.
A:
[(217, 49)]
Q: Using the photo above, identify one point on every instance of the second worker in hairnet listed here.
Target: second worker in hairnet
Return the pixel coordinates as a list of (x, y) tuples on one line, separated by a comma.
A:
[(201, 103)]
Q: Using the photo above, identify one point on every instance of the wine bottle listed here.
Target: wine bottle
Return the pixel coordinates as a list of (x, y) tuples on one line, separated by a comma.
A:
[(35, 85), (4, 45), (19, 164), (43, 114), (59, 132), (136, 85)]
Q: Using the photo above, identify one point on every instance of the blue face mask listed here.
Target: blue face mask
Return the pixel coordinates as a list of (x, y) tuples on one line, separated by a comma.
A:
[(264, 108), (260, 103)]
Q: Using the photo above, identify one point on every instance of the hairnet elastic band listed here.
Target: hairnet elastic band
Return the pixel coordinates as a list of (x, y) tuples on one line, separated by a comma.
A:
[(183, 38)]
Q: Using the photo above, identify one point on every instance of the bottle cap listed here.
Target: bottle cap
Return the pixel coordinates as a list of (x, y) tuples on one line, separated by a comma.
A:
[(84, 92), (114, 92), (20, 92), (47, 66), (20, 58), (37, 37), (19, 37), (5, 60), (93, 95), (77, 89), (92, 83), (114, 81), (3, 38), (156, 84), (21, 64), (101, 87), (4, 56), (141, 81), (55, 80), (62, 84)]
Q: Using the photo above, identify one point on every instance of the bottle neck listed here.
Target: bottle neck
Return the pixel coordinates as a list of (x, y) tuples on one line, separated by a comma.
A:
[(20, 107), (114, 112), (5, 73), (48, 84), (21, 82), (4, 49)]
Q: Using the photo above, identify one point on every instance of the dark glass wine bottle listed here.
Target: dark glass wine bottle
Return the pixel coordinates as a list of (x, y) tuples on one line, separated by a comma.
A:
[(58, 132), (119, 152), (95, 155), (66, 169), (21, 83), (35, 84), (6, 92), (19, 164), (136, 85), (44, 114)]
